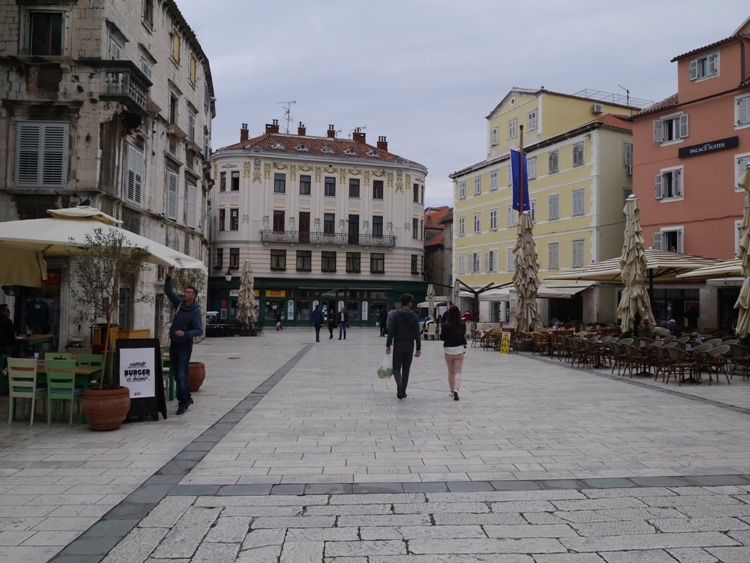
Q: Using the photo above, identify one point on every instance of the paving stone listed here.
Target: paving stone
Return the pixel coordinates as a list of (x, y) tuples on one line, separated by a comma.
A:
[(185, 537), (486, 546), (365, 548), (136, 546), (229, 529)]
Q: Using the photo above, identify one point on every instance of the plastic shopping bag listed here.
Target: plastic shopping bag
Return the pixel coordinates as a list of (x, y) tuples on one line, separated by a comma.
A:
[(385, 370)]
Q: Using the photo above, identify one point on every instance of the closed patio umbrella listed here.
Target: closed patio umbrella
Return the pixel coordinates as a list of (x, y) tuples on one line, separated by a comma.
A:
[(526, 278), (743, 301), (246, 297), (456, 293), (635, 301), (431, 300)]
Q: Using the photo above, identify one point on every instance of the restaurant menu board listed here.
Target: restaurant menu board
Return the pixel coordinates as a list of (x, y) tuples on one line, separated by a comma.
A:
[(140, 370)]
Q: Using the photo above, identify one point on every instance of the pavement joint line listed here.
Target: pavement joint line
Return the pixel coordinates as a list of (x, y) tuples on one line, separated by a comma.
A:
[(121, 519)]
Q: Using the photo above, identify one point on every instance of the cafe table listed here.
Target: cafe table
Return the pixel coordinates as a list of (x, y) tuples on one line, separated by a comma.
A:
[(84, 375), (33, 341)]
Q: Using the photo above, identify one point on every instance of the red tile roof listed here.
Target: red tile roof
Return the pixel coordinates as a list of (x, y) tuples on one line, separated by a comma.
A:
[(666, 103), (437, 240), (706, 47), (435, 216)]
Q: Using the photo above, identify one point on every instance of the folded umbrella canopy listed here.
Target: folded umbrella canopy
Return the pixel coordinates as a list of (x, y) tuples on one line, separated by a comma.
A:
[(25, 243), (526, 276), (246, 297)]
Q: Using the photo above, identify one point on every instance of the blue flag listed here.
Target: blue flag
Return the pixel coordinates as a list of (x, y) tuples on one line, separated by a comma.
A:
[(515, 160)]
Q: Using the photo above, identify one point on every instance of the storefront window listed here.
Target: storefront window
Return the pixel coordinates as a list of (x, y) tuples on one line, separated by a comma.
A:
[(303, 310)]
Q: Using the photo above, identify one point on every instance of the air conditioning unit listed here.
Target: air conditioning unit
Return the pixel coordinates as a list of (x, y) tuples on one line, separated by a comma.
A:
[(629, 169), (597, 108)]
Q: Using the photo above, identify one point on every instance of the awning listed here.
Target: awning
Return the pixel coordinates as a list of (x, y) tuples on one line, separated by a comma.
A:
[(545, 291), (728, 268)]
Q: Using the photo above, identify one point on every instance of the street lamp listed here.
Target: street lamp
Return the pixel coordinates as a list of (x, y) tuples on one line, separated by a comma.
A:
[(228, 275)]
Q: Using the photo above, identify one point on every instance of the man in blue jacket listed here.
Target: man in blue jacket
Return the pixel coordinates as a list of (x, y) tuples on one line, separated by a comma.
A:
[(186, 325), (318, 320), (403, 333)]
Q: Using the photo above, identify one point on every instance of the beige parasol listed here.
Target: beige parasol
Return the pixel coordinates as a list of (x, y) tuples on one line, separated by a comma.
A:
[(525, 278), (635, 300), (431, 300), (743, 301), (246, 297)]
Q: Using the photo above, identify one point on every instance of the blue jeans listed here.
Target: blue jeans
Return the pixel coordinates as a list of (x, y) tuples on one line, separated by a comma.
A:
[(179, 358), (342, 330)]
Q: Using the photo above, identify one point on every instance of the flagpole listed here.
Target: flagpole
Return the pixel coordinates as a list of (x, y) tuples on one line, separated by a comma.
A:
[(520, 173)]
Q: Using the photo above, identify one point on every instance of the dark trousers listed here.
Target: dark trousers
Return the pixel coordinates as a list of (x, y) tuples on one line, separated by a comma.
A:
[(179, 358), (331, 326), (317, 331), (402, 356)]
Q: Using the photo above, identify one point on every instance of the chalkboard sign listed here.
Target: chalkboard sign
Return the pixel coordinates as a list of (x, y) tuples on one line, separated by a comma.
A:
[(140, 370)]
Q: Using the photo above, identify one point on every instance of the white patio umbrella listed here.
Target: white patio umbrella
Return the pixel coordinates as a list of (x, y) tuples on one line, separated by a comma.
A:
[(743, 301), (635, 300), (526, 276), (246, 297), (456, 293), (25, 243)]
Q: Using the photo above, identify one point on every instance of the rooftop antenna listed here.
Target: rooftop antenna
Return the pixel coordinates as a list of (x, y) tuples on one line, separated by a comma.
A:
[(627, 96), (357, 129), (288, 112)]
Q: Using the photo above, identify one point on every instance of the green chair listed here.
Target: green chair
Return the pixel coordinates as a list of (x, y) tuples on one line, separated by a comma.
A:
[(59, 355), (167, 373), (22, 376), (61, 386), (93, 360)]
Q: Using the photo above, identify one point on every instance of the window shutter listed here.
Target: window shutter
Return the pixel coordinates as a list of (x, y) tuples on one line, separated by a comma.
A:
[(134, 180), (41, 158), (658, 131), (712, 66), (659, 193), (657, 241), (27, 158), (191, 193), (680, 247), (693, 69), (743, 111), (677, 177), (172, 195), (683, 126)]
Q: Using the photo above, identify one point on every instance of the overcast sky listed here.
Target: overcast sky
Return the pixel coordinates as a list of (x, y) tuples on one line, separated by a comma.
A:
[(426, 73)]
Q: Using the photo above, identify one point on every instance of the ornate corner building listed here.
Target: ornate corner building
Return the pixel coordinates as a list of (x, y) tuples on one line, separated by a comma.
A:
[(321, 220)]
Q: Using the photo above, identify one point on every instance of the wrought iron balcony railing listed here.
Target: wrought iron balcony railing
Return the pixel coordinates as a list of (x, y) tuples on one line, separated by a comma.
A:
[(125, 81), (338, 239)]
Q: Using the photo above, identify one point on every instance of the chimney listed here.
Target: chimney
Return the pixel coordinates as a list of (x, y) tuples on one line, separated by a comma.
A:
[(301, 129), (331, 133), (272, 127), (244, 133), (382, 144), (358, 135)]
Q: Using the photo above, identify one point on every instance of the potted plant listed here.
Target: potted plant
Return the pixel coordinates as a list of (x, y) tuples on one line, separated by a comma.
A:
[(98, 270)]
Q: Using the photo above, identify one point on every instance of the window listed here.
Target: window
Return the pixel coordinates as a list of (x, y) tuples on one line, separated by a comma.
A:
[(235, 181), (490, 259), (222, 219), (532, 210), (46, 33), (493, 219), (146, 68), (512, 128), (415, 190), (134, 174), (330, 186), (510, 216), (553, 156), (191, 196), (742, 111), (494, 181), (234, 258), (377, 226), (304, 226), (737, 237), (279, 221), (377, 189), (704, 66), (477, 185), (353, 229), (553, 256), (329, 223), (462, 189), (175, 47), (415, 264), (671, 128), (578, 209), (278, 259), (191, 126), (148, 12), (741, 162), (494, 136), (669, 239), (279, 183), (173, 109), (461, 226), (328, 261), (354, 187), (510, 263), (532, 120), (669, 184), (415, 229), (627, 156), (304, 260), (115, 49), (193, 70), (553, 202), (353, 262), (377, 263), (478, 222), (219, 259), (577, 254), (42, 155), (509, 175), (173, 183), (474, 259), (223, 182), (305, 184), (578, 154), (234, 219), (461, 264), (531, 167)]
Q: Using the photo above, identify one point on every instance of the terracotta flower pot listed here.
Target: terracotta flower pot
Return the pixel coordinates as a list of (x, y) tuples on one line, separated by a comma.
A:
[(196, 375), (105, 409)]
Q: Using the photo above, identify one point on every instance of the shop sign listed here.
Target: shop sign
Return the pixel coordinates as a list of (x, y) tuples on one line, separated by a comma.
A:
[(234, 293), (275, 293), (710, 146), (53, 277)]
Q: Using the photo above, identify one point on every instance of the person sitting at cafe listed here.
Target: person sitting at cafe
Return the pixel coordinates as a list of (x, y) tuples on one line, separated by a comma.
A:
[(674, 330), (662, 330), (7, 331)]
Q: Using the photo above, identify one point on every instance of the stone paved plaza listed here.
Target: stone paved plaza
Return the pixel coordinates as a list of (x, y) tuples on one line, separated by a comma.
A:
[(296, 451)]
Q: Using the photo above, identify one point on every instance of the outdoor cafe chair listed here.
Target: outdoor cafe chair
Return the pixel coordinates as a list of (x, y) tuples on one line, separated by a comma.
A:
[(22, 384), (61, 386), (740, 359), (476, 337), (681, 363), (431, 333), (94, 360), (636, 358), (719, 358), (59, 356), (684, 339), (713, 341), (541, 343)]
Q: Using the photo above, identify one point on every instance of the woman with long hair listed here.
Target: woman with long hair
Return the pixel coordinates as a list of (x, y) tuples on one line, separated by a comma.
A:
[(453, 335)]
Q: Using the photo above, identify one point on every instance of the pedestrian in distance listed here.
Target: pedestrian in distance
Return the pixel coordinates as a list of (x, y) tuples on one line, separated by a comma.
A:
[(403, 333), (343, 320), (331, 321), (186, 325), (453, 335), (318, 320), (383, 321), (279, 318)]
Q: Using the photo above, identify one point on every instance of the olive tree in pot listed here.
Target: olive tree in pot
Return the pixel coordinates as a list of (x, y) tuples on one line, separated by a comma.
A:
[(98, 270)]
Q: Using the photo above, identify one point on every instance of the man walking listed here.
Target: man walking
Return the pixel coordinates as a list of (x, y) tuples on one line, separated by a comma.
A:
[(403, 333), (343, 320), (331, 321), (318, 320), (383, 321), (186, 325)]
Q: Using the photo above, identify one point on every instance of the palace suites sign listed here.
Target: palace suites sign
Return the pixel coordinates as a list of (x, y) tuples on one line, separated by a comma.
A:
[(710, 146)]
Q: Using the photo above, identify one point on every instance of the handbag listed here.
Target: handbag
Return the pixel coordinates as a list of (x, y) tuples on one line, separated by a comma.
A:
[(385, 369)]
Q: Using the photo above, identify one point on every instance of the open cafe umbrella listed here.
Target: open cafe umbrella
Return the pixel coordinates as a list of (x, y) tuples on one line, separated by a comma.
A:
[(525, 278), (635, 301), (743, 301), (246, 298)]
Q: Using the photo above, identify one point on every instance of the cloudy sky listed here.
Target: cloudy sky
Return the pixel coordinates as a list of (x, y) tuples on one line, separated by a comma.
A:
[(425, 73)]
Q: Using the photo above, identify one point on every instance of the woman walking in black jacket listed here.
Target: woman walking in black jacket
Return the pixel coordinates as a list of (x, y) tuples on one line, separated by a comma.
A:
[(453, 335)]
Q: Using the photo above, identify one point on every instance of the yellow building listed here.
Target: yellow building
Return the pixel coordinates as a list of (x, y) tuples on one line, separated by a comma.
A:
[(579, 158)]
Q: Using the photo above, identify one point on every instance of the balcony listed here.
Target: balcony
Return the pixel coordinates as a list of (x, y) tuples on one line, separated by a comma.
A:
[(338, 239), (126, 84)]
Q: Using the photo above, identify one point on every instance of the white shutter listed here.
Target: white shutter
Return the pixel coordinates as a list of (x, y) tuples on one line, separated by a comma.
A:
[(657, 240), (743, 111), (712, 64), (487, 262), (677, 181), (684, 131), (172, 186), (41, 156), (27, 157), (680, 238), (191, 193), (134, 179), (693, 69), (658, 131), (659, 192)]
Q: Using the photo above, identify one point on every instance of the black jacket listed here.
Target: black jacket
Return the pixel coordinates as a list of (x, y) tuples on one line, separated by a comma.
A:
[(403, 328), (451, 338)]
